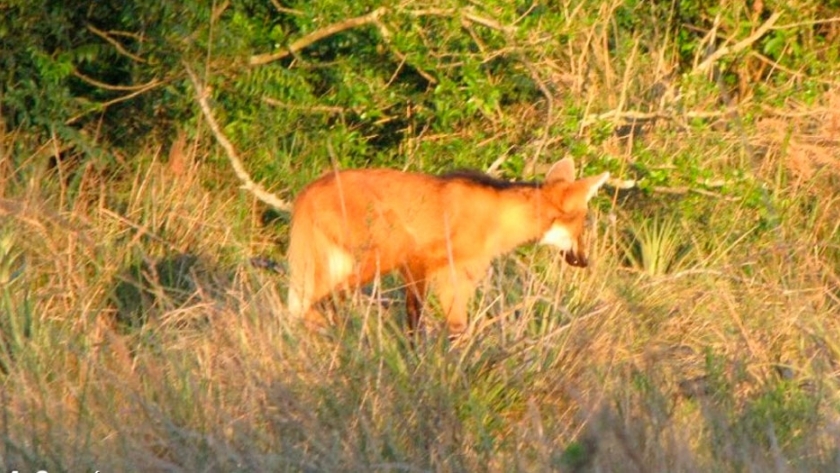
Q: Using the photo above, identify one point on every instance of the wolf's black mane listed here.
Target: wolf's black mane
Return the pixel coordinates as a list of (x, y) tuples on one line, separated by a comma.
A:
[(480, 179)]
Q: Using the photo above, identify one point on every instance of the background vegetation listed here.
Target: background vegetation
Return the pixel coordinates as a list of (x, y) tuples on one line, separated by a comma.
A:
[(135, 334)]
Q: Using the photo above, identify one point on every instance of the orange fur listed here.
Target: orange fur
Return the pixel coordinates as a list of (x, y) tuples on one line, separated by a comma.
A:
[(439, 232)]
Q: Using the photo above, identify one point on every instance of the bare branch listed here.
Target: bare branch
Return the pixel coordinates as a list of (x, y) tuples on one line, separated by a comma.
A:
[(127, 34), (283, 9), (318, 35), (386, 37), (681, 190), (739, 46), (488, 22), (800, 24), (136, 91), (116, 44), (373, 18), (465, 14), (630, 116), (247, 183), (217, 12), (103, 85), (305, 108)]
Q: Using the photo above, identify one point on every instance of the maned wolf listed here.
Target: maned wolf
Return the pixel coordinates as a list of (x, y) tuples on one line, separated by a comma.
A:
[(438, 232)]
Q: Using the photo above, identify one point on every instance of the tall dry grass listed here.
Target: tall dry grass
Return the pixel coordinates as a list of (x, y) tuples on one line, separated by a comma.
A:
[(135, 335), (721, 354)]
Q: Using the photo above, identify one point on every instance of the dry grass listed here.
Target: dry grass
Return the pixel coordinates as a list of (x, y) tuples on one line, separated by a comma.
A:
[(134, 335), (726, 360)]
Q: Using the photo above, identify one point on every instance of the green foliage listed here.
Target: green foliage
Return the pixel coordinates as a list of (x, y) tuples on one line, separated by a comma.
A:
[(456, 71), (655, 246), (782, 415), (124, 346)]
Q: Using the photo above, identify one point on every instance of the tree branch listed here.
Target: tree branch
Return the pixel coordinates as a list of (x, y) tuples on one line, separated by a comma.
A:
[(465, 14), (739, 46), (103, 85), (116, 44), (247, 183), (102, 106), (318, 35), (631, 116)]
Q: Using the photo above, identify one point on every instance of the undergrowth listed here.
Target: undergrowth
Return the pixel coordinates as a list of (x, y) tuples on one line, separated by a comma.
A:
[(137, 332), (690, 344)]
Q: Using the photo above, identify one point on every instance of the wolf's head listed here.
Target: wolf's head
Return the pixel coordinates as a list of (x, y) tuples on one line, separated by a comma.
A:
[(566, 202)]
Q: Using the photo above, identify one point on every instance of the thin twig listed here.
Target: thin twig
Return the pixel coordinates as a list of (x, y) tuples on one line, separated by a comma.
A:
[(306, 108), (283, 9), (488, 22), (682, 190), (630, 116), (218, 10), (465, 14), (127, 34), (318, 35), (549, 112), (386, 37), (775, 65), (139, 228), (247, 183), (800, 24), (103, 85), (116, 44), (102, 106)]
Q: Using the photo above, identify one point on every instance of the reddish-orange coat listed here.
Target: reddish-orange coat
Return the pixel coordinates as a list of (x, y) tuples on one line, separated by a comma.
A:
[(436, 231)]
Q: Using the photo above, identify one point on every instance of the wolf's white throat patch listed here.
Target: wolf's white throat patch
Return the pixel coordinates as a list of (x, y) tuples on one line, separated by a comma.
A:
[(557, 236)]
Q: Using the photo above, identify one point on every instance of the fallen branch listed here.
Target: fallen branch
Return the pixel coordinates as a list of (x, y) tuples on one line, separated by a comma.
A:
[(247, 183), (318, 35)]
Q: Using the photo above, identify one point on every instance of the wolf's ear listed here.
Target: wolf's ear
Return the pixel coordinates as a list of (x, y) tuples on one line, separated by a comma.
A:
[(563, 170), (594, 183)]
